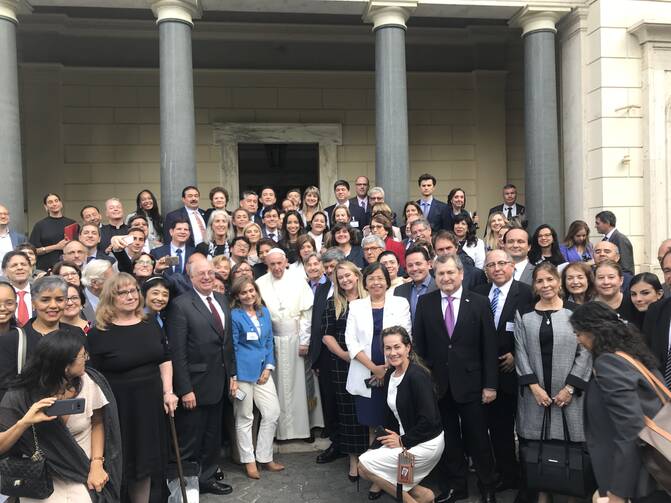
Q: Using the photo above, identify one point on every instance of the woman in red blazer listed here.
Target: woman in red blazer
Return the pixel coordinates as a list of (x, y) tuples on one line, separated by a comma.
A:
[(380, 225)]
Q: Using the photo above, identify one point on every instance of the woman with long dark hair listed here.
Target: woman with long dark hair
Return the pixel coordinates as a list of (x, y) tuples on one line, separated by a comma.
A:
[(47, 235), (545, 246), (9, 336), (82, 451), (147, 206), (616, 401), (456, 205), (464, 228), (644, 290), (292, 227)]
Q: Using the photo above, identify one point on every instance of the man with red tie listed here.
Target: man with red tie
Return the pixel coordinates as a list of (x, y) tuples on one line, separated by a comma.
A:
[(16, 268), (454, 333)]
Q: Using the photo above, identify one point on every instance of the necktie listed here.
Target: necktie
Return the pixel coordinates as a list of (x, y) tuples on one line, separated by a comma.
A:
[(22, 310), (449, 316), (159, 320), (425, 208), (88, 259), (201, 225), (510, 213), (667, 370), (180, 265), (605, 238), (217, 318), (494, 303), (271, 235), (362, 203)]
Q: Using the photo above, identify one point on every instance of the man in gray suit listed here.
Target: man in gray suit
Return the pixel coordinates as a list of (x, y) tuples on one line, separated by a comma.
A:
[(605, 224), (516, 242), (418, 267), (9, 239)]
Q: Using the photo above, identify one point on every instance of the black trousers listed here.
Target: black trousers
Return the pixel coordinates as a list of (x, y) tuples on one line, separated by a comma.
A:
[(327, 393), (199, 435), (465, 424), (501, 422)]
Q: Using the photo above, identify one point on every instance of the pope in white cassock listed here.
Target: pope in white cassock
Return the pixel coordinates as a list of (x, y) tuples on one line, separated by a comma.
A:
[(289, 299)]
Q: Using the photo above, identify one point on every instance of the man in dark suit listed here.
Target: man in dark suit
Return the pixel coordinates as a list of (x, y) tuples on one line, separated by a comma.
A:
[(431, 208), (656, 327), (418, 267), (506, 296), (361, 185), (605, 224), (446, 243), (89, 236), (510, 208), (341, 191), (204, 373), (177, 247), (192, 214), (454, 333), (320, 356), (271, 224), (516, 243), (249, 200)]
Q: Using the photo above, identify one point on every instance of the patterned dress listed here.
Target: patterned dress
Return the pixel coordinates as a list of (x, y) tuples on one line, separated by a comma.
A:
[(353, 437)]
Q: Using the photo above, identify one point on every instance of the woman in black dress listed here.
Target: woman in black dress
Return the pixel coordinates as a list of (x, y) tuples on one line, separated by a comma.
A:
[(352, 437), (48, 235), (131, 353)]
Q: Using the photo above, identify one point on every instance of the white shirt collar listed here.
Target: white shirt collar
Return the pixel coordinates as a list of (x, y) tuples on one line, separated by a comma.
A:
[(456, 295), (611, 232), (503, 289)]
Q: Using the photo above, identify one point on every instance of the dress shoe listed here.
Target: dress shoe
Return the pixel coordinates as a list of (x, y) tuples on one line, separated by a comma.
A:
[(488, 497), (272, 466), (329, 455), (373, 495), (252, 471), (451, 496), (219, 475), (214, 487)]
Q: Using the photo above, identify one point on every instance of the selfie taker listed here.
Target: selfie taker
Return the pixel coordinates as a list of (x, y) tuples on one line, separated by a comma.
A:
[(412, 441)]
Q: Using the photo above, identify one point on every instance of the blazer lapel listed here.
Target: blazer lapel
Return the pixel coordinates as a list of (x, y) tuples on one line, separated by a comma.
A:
[(205, 311), (463, 314)]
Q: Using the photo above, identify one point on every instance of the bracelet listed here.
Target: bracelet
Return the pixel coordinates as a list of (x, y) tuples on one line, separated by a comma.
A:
[(98, 458)]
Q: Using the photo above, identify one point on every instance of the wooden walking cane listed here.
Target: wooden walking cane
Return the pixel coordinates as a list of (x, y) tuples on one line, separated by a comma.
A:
[(180, 471)]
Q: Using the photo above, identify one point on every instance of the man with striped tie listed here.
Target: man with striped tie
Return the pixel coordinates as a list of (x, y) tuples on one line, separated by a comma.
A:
[(657, 326), (506, 296)]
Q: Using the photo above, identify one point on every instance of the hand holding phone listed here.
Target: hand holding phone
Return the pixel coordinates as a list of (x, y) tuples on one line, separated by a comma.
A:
[(66, 407), (172, 261)]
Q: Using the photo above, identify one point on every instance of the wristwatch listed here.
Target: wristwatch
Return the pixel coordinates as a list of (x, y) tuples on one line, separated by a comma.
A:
[(570, 389)]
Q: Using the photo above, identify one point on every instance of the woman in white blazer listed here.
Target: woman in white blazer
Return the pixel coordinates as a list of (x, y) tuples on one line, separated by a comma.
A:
[(367, 318)]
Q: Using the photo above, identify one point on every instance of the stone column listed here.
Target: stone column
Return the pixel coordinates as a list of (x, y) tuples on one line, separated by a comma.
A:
[(11, 170), (542, 187), (392, 169), (178, 123)]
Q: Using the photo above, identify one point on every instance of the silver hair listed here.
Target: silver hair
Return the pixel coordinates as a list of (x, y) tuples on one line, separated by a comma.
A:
[(373, 239), (444, 259), (213, 216), (418, 221), (95, 269), (332, 254), (48, 283), (376, 189)]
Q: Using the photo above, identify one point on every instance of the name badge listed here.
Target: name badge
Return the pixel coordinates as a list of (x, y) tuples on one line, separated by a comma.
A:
[(252, 336), (510, 326), (354, 224)]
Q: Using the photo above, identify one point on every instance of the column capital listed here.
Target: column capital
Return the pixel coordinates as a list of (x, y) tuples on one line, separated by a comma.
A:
[(176, 10), (389, 12), (538, 18), (10, 8)]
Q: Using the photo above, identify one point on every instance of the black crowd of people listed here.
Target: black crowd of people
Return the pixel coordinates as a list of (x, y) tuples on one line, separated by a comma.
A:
[(418, 331)]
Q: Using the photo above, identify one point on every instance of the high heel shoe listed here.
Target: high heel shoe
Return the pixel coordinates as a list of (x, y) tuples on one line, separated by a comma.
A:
[(252, 471), (353, 478), (373, 495)]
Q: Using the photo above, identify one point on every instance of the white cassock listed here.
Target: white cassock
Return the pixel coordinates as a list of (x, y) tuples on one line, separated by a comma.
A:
[(289, 301)]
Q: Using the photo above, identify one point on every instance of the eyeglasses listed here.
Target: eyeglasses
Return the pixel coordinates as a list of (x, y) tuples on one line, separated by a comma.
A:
[(85, 357), (371, 248), (144, 262), (500, 263), (9, 305), (205, 274), (68, 274), (376, 226), (74, 299), (131, 292)]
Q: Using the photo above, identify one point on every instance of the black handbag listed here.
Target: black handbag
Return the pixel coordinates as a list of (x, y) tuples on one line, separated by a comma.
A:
[(26, 477), (557, 466)]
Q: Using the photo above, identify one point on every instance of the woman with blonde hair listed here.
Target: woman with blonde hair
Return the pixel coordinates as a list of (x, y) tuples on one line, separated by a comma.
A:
[(311, 204), (495, 222), (348, 286), (253, 233), (216, 241), (133, 355)]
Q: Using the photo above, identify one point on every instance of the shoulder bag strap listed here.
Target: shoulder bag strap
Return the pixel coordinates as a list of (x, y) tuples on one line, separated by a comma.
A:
[(21, 353), (662, 392)]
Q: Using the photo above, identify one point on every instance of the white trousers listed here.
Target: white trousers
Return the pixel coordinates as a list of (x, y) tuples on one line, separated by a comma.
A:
[(265, 398)]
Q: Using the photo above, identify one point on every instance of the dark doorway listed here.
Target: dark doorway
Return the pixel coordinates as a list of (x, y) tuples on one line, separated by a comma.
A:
[(283, 166)]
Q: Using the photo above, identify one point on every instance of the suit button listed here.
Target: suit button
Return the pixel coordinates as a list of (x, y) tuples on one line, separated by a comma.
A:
[(449, 346)]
